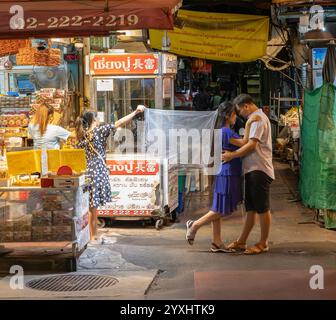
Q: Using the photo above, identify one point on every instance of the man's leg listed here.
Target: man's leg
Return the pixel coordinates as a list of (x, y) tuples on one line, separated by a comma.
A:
[(265, 227), (248, 226)]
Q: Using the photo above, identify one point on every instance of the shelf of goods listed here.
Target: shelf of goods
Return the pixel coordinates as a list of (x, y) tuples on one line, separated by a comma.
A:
[(53, 97), (44, 211), (288, 141), (14, 120)]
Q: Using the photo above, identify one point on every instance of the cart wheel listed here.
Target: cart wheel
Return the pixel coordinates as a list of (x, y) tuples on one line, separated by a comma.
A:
[(159, 224), (101, 223), (73, 264), (173, 216)]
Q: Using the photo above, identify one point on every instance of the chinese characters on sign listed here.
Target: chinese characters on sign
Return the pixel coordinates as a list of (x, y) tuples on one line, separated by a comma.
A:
[(135, 188), (110, 64)]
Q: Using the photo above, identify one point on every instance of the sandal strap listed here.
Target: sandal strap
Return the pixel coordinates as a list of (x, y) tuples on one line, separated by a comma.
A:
[(236, 244)]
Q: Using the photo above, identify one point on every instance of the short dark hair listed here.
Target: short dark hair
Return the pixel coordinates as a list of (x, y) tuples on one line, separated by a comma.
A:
[(242, 99)]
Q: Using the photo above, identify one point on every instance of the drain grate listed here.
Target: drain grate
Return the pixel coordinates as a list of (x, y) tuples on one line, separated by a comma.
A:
[(70, 283)]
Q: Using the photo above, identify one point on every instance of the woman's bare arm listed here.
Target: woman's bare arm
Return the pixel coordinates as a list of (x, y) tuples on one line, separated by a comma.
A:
[(121, 122)]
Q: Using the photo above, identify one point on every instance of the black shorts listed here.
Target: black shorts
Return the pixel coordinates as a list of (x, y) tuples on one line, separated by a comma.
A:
[(257, 191)]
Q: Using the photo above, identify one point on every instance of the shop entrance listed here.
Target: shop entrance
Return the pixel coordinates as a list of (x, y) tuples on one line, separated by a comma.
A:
[(116, 97)]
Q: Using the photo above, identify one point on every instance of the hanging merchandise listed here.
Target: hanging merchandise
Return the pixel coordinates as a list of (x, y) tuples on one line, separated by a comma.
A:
[(8, 47), (32, 56)]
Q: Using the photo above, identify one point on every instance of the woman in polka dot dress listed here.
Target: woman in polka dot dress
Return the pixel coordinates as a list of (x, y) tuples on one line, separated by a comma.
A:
[(92, 138)]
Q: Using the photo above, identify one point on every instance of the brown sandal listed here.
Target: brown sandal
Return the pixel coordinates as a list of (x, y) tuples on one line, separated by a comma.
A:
[(256, 249), (236, 246)]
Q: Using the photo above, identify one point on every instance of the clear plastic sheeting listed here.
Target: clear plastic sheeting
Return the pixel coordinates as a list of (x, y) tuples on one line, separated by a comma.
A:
[(189, 136)]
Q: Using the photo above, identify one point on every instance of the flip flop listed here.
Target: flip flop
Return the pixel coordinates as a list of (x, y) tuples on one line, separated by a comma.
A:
[(256, 249), (222, 248), (190, 234)]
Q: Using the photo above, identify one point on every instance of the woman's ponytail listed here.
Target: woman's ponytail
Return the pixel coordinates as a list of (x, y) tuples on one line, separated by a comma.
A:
[(83, 123), (79, 128)]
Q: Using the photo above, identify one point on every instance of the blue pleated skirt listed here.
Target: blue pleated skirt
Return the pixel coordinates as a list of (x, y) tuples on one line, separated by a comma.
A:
[(227, 194)]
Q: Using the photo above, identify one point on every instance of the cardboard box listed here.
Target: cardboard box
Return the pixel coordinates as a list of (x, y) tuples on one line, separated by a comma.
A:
[(52, 205), (22, 236), (62, 233), (69, 181), (62, 218), (41, 233), (41, 218), (6, 236)]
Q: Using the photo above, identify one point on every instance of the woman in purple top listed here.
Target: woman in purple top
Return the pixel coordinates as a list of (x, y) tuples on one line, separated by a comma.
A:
[(227, 187)]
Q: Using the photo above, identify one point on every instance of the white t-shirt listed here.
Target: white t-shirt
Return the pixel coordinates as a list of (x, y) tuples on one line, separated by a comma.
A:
[(50, 139), (261, 158)]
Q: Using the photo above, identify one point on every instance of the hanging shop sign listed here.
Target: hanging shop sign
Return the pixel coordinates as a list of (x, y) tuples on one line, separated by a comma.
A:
[(134, 185), (216, 36), (123, 64), (53, 18)]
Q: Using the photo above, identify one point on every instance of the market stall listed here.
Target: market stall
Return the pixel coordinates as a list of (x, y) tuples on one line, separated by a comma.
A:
[(287, 143), (42, 211), (32, 72)]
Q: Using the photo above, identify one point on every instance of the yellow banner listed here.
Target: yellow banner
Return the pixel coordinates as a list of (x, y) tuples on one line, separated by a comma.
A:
[(216, 36)]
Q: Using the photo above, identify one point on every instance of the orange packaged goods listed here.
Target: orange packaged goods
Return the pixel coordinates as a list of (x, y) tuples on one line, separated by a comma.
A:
[(8, 47), (26, 56), (31, 56), (54, 58), (41, 58)]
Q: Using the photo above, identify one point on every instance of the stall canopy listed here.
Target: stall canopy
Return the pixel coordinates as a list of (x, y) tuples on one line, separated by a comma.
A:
[(23, 19)]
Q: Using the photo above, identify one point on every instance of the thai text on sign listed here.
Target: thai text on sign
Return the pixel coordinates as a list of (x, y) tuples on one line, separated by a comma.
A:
[(112, 64), (216, 36), (133, 167)]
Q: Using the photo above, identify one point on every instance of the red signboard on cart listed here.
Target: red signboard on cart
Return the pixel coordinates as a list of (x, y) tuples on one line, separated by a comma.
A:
[(124, 64), (135, 185)]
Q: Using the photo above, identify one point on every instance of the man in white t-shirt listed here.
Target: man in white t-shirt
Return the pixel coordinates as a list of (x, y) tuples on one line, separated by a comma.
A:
[(258, 172)]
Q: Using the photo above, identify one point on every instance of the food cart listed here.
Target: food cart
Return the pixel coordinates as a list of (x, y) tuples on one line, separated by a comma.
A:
[(142, 188)]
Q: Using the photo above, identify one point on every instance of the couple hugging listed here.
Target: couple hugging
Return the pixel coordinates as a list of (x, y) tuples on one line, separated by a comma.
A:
[(252, 157)]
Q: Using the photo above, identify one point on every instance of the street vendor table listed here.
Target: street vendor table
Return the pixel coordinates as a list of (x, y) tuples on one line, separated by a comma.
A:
[(35, 217)]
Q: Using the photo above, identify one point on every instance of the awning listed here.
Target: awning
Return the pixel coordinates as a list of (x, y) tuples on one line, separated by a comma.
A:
[(53, 18)]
